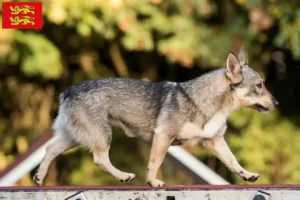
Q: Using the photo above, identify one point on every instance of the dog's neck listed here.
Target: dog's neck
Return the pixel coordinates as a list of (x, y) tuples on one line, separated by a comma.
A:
[(212, 93)]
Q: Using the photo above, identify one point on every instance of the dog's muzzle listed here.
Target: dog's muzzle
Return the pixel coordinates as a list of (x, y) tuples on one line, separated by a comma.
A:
[(262, 108)]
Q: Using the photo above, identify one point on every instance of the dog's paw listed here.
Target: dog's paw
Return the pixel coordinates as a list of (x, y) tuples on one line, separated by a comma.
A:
[(37, 180), (126, 177), (248, 176), (155, 183)]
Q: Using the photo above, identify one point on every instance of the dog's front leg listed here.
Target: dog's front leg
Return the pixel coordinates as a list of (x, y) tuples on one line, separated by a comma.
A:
[(160, 145), (219, 148)]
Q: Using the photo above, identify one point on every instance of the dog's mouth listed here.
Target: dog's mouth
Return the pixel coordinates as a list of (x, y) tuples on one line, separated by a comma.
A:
[(259, 108)]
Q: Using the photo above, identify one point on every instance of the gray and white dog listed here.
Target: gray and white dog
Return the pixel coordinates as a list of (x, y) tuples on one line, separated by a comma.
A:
[(166, 113)]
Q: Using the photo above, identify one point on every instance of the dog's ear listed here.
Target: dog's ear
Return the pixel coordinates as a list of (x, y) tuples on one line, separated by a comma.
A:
[(243, 56), (233, 69)]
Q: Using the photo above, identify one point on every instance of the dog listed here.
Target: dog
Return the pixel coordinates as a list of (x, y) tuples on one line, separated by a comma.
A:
[(166, 113)]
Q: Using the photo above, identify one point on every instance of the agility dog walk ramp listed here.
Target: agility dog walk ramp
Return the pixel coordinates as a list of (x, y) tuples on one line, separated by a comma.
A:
[(192, 192)]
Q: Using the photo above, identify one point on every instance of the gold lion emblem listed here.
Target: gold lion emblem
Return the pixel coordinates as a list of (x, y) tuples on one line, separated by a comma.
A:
[(22, 20), (15, 10)]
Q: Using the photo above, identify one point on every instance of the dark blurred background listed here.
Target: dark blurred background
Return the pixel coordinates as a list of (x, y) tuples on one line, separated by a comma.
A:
[(153, 40)]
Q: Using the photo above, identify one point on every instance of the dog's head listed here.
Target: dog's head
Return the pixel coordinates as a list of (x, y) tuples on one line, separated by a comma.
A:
[(247, 85)]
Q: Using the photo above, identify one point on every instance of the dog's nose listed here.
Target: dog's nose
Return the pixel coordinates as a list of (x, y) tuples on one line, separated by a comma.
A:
[(276, 103)]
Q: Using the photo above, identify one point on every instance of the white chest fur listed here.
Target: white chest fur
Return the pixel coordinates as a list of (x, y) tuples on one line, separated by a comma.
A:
[(192, 130), (214, 125)]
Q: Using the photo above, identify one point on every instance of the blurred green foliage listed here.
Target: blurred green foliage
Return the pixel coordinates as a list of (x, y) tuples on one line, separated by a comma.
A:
[(146, 40)]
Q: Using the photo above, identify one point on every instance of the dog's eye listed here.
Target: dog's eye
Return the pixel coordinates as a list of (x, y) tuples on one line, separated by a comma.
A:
[(259, 85)]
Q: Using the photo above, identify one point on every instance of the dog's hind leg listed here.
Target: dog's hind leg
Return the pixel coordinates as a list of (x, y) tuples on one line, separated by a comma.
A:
[(101, 159), (100, 151), (59, 145)]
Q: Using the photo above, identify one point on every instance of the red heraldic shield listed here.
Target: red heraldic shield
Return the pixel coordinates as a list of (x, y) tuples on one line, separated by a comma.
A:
[(22, 15)]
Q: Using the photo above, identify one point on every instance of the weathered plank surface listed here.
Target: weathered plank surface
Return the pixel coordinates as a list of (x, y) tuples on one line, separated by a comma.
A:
[(191, 192)]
